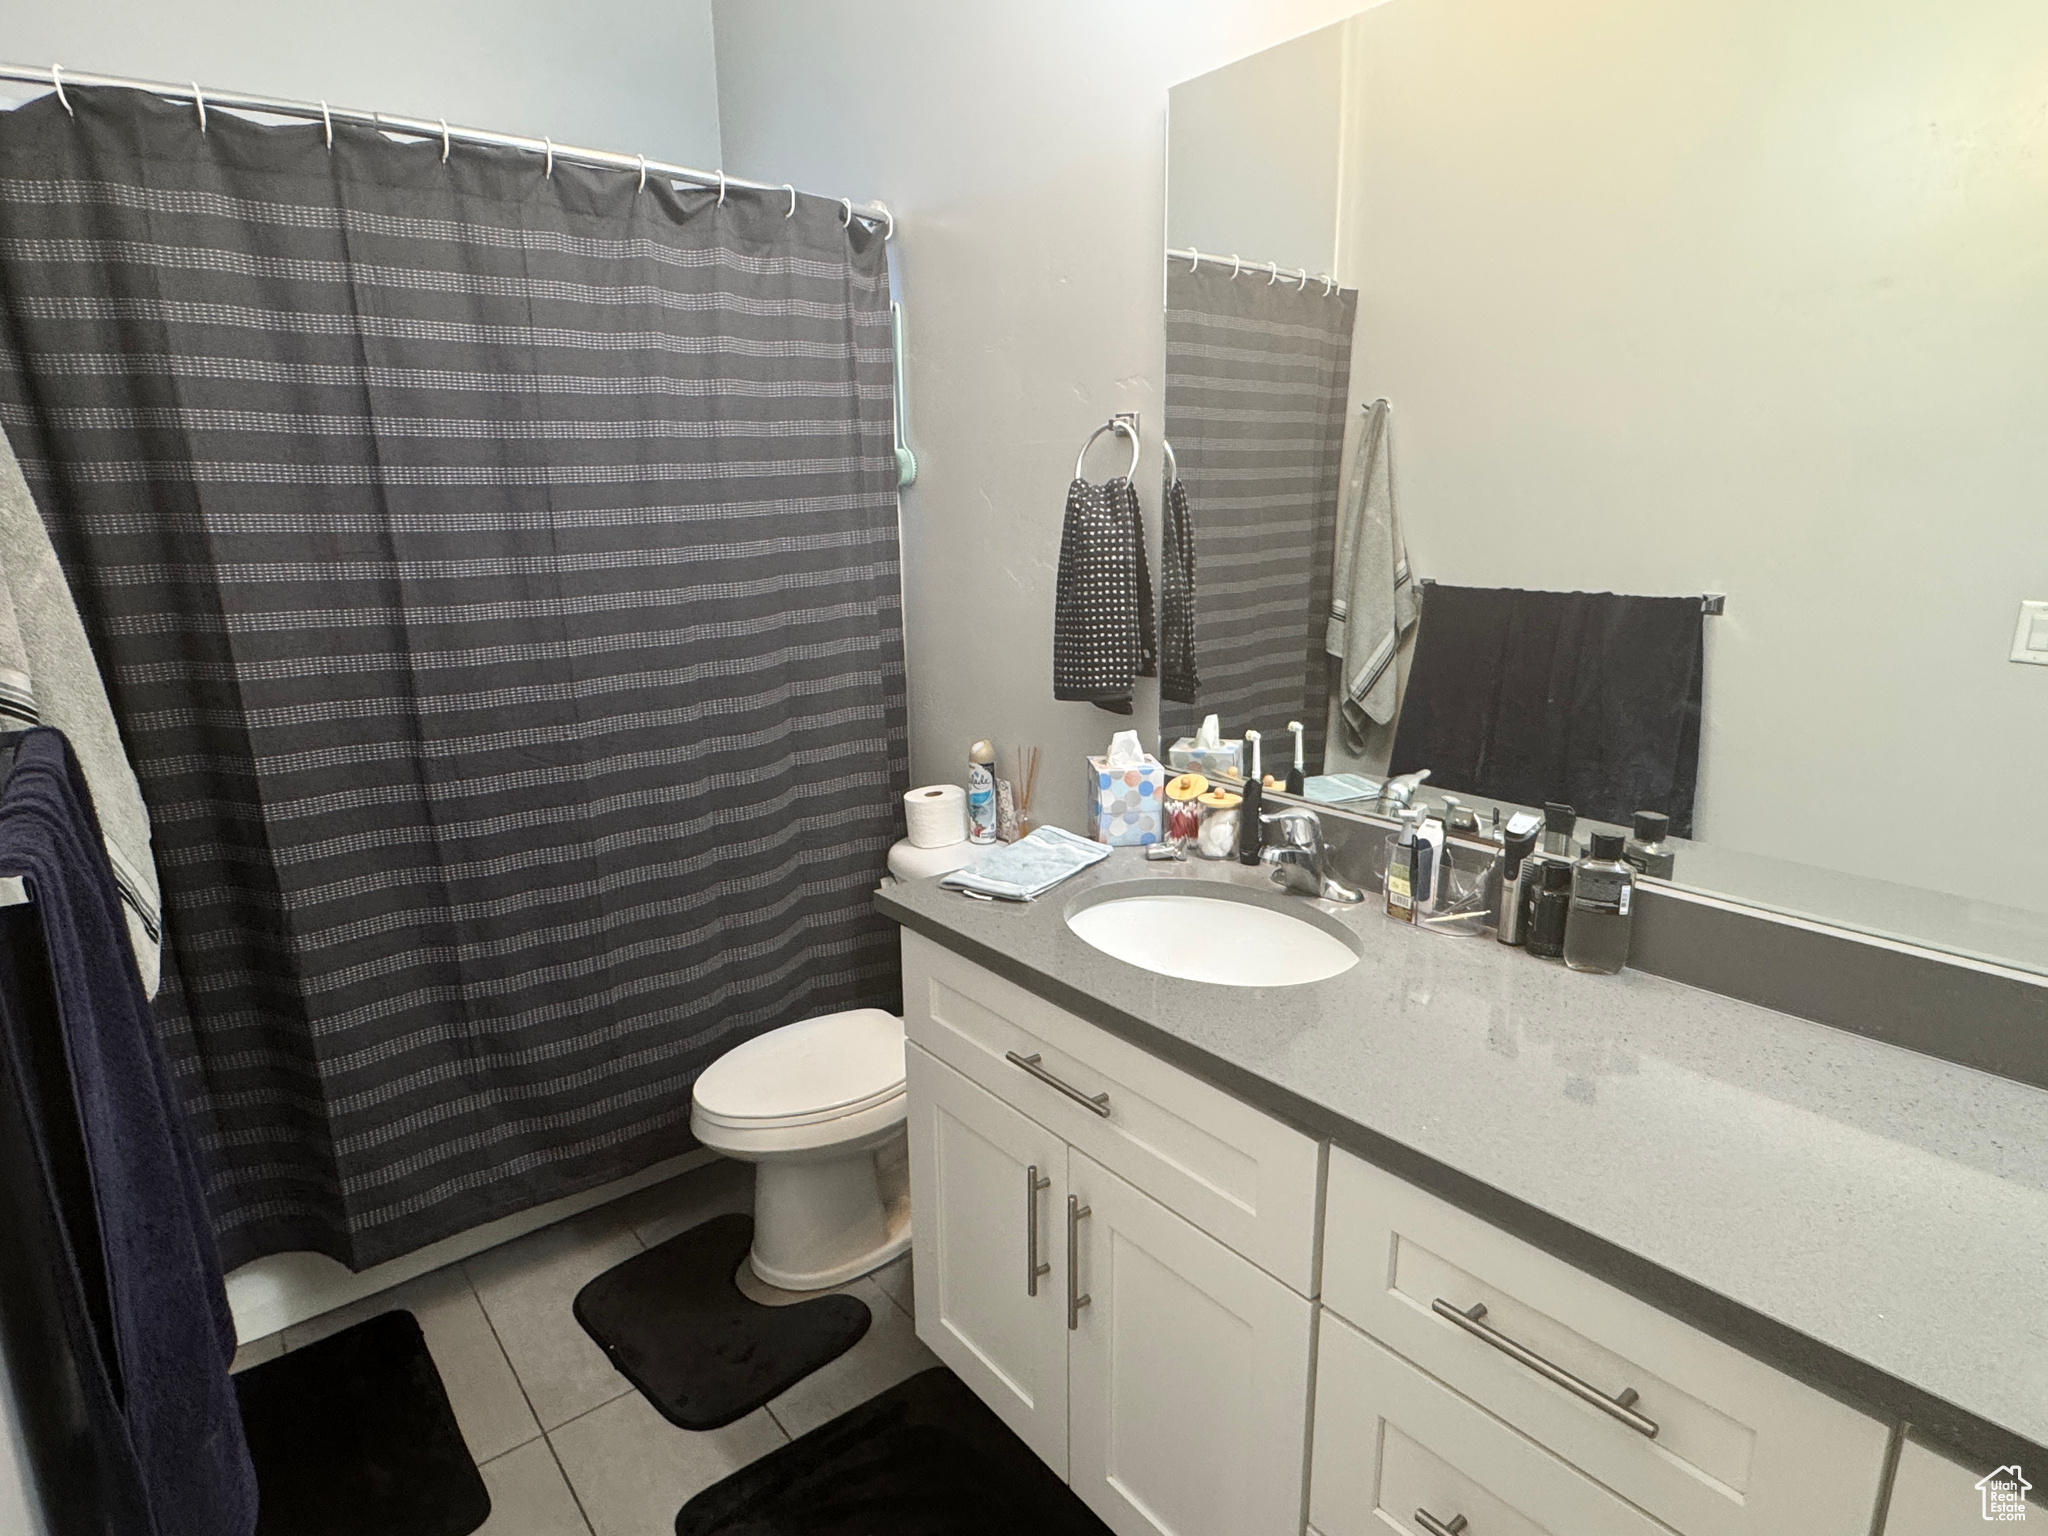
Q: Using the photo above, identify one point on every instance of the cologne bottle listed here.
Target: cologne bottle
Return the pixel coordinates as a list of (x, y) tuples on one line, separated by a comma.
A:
[(1596, 938)]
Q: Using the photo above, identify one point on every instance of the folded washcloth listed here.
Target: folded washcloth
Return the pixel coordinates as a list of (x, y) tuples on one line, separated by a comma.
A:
[(1029, 867), (1335, 788)]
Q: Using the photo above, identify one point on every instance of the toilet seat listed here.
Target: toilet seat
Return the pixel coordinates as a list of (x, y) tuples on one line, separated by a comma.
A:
[(836, 1067)]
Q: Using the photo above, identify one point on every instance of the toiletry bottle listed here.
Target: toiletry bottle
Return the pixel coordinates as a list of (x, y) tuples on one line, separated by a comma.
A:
[(1297, 776), (1517, 872), (1250, 835), (1429, 861), (981, 793), (1558, 821), (1403, 854), (1549, 918), (1647, 851), (1596, 940)]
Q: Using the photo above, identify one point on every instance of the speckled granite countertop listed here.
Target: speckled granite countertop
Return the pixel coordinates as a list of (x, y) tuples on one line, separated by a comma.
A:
[(1860, 1204)]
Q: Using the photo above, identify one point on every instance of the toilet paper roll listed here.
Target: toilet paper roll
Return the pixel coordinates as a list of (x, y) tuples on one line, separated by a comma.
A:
[(936, 814), (909, 862)]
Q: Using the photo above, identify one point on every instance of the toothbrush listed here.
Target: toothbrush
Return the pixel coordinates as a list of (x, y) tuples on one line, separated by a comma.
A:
[(1295, 775)]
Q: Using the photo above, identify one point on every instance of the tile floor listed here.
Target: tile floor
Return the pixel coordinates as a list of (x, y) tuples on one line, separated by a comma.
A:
[(566, 1446)]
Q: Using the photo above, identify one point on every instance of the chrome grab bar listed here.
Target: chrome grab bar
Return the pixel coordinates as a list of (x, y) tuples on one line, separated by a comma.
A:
[(1032, 1268), (1076, 1297), (1454, 1526), (1620, 1407), (1099, 1103)]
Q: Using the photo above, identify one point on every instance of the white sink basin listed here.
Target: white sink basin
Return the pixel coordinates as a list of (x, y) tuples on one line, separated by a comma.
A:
[(1203, 938)]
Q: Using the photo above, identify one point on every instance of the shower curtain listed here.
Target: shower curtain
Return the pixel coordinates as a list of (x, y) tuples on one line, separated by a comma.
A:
[(494, 569), (1257, 376)]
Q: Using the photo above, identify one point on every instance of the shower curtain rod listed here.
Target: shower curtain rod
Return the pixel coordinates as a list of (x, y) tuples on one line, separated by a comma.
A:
[(1301, 277), (57, 77)]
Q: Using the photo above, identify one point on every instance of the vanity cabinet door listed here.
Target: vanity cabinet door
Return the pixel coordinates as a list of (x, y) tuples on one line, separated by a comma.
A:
[(989, 1185), (1189, 1372), (1934, 1496)]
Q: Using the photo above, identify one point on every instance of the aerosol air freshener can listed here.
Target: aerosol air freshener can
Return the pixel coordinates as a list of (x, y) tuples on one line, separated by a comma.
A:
[(981, 793)]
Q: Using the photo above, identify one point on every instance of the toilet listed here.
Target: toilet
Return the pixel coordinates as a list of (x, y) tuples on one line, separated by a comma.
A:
[(818, 1107)]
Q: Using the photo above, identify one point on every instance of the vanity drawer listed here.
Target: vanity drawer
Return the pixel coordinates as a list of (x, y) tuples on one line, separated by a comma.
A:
[(1739, 1449), (1393, 1446), (1238, 1174)]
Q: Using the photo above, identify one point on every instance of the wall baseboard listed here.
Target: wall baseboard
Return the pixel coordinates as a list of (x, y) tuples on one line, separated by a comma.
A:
[(284, 1289)]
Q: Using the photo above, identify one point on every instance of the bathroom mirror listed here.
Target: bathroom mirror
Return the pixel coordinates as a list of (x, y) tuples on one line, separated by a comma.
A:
[(1712, 342)]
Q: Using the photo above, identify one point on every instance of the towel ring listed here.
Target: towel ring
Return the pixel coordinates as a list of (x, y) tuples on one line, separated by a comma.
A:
[(57, 80), (327, 121), (1122, 429), (1172, 463), (199, 101)]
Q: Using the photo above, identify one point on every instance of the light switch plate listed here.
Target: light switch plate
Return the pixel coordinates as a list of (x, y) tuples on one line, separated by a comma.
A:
[(2030, 639)]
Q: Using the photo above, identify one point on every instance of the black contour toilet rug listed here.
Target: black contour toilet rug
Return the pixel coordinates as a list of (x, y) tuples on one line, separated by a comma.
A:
[(675, 1325)]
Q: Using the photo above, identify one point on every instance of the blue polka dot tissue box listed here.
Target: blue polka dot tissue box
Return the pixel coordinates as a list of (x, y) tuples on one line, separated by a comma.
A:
[(1126, 805)]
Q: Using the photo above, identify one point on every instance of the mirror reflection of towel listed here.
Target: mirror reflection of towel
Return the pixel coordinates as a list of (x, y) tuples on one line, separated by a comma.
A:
[(1372, 602), (1588, 698)]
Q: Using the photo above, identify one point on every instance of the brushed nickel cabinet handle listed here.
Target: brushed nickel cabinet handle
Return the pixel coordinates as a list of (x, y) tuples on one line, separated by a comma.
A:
[(1032, 1267), (1455, 1526), (1099, 1103), (1076, 1297), (1621, 1407)]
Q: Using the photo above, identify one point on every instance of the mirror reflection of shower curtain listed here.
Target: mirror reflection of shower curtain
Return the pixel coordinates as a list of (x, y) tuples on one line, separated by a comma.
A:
[(495, 575), (1257, 378)]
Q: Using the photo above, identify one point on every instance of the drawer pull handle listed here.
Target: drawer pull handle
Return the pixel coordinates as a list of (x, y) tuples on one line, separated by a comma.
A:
[(1100, 1103), (1455, 1526), (1621, 1407), (1032, 1267), (1076, 1297)]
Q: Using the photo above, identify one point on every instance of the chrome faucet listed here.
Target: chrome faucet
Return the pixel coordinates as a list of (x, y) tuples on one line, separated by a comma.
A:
[(1397, 793), (1299, 858)]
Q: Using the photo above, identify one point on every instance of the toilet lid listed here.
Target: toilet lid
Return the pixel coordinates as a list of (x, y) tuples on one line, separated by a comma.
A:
[(816, 1070)]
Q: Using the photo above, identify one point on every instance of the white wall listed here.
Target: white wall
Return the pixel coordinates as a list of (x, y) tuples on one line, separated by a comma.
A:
[(1253, 155), (1734, 296), (1024, 149), (630, 75)]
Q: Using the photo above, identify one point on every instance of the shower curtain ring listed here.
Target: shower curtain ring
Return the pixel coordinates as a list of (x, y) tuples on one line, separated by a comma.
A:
[(792, 200), (1236, 266), (1304, 281), (327, 119), (1194, 261), (889, 233), (1273, 276), (199, 101), (643, 175), (57, 80), (444, 141), (551, 157), (721, 189), (846, 221), (1329, 285)]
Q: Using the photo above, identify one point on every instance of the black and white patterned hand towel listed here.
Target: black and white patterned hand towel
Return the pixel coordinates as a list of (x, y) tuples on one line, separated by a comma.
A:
[(1102, 636), (1179, 679)]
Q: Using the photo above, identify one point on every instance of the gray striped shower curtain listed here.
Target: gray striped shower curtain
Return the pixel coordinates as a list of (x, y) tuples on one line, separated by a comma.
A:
[(1257, 375), (495, 576)]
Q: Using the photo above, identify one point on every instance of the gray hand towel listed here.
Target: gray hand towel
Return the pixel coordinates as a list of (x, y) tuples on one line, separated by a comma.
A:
[(48, 677), (1373, 599)]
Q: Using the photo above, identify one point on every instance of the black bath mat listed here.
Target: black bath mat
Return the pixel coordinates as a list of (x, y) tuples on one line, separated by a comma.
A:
[(677, 1327), (926, 1458), (353, 1436)]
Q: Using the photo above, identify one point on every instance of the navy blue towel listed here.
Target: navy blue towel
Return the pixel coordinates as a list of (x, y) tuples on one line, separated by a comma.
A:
[(1587, 698), (150, 1363)]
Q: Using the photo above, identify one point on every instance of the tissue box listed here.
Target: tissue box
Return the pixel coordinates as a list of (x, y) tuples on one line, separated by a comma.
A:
[(1126, 806), (1220, 763)]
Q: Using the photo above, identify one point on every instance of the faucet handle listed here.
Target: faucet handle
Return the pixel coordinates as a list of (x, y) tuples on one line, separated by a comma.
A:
[(1298, 826)]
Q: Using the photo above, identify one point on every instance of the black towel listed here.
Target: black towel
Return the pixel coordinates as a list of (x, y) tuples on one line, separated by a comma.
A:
[(1588, 698), (1179, 677), (1102, 635), (99, 1125)]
